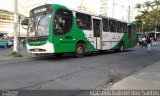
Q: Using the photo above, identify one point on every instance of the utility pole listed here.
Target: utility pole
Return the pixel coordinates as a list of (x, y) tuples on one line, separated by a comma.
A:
[(129, 13), (113, 10), (19, 31), (155, 30), (15, 48), (142, 26)]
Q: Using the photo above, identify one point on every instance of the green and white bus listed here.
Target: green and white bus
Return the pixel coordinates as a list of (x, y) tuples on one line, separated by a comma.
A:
[(55, 29)]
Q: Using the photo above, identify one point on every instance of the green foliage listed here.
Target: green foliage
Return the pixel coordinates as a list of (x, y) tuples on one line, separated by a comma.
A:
[(138, 6), (149, 16), (15, 54)]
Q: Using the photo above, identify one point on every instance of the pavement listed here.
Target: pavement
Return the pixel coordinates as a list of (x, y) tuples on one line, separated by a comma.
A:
[(5, 54), (147, 78)]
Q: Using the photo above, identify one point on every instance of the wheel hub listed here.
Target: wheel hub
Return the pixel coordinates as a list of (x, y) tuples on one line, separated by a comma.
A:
[(80, 50), (122, 48)]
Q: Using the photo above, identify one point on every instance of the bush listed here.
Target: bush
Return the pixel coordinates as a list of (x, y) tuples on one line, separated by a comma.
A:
[(15, 54)]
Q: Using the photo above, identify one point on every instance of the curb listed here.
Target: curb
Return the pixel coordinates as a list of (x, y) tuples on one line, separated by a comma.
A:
[(112, 86)]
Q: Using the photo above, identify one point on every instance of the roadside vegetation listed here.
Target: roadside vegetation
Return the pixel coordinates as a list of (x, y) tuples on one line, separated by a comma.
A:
[(148, 18), (15, 54)]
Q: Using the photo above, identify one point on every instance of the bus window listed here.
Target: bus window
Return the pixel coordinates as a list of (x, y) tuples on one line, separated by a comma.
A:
[(105, 25), (84, 21), (124, 26), (112, 25), (129, 31), (133, 28), (63, 21), (119, 27)]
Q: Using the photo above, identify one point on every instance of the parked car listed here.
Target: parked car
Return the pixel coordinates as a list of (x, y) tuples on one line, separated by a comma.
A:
[(5, 42)]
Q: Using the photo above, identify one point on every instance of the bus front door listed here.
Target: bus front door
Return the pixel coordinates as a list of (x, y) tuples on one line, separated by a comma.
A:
[(97, 33)]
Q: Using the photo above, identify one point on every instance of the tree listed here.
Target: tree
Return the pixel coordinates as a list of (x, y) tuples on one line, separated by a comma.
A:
[(138, 6), (147, 5), (151, 18), (156, 3), (156, 12)]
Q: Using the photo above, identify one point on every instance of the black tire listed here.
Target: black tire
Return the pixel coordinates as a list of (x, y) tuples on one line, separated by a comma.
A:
[(80, 50), (102, 51), (58, 54)]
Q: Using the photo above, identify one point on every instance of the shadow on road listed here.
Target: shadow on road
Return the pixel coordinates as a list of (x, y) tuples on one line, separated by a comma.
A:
[(71, 56)]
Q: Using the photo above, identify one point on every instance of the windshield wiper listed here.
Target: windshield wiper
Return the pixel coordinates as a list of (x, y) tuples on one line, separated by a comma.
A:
[(31, 22), (43, 15)]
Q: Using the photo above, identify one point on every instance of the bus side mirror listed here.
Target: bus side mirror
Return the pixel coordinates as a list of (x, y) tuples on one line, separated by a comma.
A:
[(25, 22)]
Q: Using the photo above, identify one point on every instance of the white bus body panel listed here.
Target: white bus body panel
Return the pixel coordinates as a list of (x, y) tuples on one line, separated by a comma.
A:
[(49, 47), (106, 40), (115, 38), (89, 35), (110, 39)]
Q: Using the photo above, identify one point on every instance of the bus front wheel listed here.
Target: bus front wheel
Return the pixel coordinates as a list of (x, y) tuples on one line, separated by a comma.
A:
[(58, 55), (80, 50)]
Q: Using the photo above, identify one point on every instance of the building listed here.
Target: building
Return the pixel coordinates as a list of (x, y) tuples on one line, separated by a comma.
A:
[(83, 7), (7, 23), (103, 7)]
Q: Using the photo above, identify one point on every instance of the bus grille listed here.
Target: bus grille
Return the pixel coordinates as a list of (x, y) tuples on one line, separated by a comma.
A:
[(37, 50)]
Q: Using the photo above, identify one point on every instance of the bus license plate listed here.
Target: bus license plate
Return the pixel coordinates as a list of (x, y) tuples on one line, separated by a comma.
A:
[(36, 50)]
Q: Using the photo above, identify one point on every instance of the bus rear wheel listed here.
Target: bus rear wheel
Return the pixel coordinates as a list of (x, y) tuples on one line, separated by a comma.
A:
[(121, 48), (80, 50)]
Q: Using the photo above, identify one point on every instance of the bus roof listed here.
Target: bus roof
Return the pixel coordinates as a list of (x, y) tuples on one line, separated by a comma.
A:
[(80, 11)]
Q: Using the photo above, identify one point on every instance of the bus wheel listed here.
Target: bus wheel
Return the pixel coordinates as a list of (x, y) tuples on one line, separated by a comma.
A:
[(58, 54), (102, 51), (80, 50), (121, 47)]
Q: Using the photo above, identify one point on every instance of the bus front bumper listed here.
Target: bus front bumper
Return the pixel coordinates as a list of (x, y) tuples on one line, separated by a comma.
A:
[(47, 48)]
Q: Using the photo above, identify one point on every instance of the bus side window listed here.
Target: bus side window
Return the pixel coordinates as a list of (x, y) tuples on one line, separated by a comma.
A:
[(129, 31), (79, 23), (63, 21), (125, 28), (105, 25), (129, 28), (112, 25), (83, 21), (119, 27)]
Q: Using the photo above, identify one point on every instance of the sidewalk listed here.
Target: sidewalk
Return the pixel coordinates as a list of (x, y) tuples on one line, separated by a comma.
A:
[(8, 57), (5, 55), (147, 78)]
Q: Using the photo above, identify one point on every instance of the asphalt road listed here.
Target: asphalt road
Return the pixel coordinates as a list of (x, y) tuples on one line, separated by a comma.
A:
[(69, 73)]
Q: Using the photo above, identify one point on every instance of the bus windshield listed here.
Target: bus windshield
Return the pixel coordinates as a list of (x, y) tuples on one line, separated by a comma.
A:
[(39, 25)]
